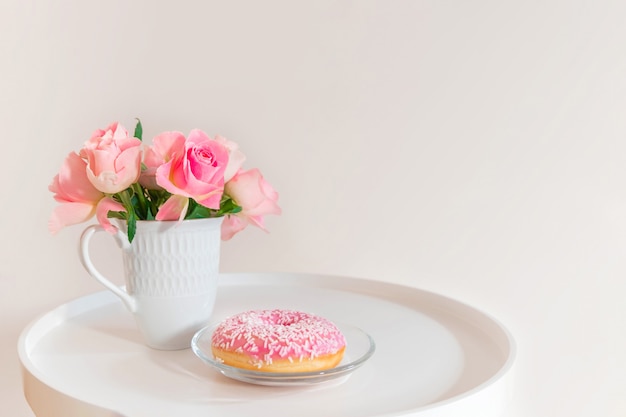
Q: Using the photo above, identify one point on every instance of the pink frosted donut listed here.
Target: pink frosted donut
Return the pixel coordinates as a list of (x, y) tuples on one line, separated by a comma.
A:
[(278, 341)]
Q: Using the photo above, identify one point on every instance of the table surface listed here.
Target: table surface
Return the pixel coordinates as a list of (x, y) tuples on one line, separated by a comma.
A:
[(434, 356)]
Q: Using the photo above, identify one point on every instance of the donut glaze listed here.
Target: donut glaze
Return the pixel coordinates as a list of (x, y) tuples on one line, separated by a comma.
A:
[(278, 341)]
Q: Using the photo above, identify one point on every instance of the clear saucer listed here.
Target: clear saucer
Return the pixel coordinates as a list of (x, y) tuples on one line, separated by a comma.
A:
[(359, 348)]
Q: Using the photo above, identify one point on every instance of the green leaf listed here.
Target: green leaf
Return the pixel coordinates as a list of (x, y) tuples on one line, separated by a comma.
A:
[(198, 211), (228, 206), (132, 226), (138, 130), (126, 198)]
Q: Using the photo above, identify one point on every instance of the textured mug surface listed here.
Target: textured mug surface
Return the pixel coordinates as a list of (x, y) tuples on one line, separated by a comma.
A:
[(171, 271)]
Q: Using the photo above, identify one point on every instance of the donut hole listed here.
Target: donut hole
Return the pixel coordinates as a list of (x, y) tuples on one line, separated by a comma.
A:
[(284, 320)]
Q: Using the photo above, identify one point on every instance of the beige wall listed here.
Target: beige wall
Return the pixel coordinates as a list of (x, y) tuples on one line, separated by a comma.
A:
[(473, 148)]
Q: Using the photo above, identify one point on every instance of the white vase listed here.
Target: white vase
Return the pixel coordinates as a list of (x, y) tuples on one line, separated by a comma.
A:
[(171, 271)]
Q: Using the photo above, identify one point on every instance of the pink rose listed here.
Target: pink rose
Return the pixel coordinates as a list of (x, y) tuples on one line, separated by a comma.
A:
[(79, 199), (77, 195), (194, 168), (162, 150), (113, 159), (256, 197)]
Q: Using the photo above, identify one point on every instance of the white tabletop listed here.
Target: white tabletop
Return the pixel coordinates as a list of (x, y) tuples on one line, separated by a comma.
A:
[(434, 357)]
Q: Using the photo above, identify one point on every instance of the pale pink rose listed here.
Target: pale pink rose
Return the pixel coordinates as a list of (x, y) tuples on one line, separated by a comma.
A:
[(256, 197), (195, 170), (236, 158), (78, 197), (113, 159), (162, 150)]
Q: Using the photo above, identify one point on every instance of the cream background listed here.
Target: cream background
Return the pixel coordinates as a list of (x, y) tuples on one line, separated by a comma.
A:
[(473, 148)]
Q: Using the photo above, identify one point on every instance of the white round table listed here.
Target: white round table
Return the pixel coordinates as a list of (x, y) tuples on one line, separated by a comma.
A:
[(434, 357)]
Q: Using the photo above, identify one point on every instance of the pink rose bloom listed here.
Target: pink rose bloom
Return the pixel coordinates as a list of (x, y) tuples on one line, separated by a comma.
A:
[(79, 199), (194, 168), (162, 150), (77, 195), (256, 197), (113, 159)]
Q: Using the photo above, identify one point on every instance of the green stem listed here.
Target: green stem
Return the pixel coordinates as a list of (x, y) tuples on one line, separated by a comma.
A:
[(125, 199)]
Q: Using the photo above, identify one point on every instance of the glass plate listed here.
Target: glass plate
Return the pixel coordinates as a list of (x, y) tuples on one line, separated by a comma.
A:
[(359, 348)]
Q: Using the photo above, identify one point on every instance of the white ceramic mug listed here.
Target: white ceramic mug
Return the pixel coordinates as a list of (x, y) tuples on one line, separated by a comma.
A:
[(171, 270)]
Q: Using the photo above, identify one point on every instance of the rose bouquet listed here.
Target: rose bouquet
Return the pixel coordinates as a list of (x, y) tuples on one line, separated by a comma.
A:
[(116, 175)]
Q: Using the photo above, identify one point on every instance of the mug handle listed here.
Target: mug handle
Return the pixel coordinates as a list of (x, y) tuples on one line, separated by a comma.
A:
[(122, 241)]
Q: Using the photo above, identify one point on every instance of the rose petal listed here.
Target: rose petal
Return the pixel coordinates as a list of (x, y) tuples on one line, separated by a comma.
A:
[(67, 214), (232, 225), (235, 157), (72, 184), (175, 208), (102, 211), (164, 147)]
